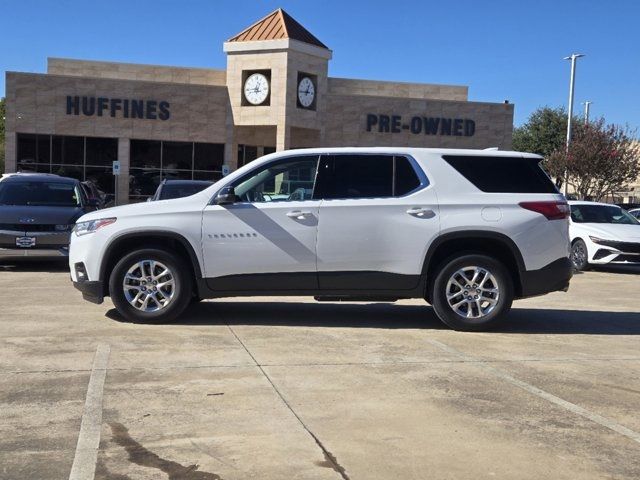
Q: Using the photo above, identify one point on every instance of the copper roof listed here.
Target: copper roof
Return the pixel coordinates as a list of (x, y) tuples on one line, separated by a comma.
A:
[(278, 24)]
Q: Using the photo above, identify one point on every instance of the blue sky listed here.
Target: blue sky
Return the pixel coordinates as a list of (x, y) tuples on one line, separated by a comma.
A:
[(502, 49)]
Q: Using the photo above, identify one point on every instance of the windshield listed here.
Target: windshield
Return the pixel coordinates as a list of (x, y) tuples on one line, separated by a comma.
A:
[(53, 194), (170, 191), (601, 214)]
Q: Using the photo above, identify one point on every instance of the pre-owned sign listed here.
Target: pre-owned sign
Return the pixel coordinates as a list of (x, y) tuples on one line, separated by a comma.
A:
[(125, 107), (460, 127)]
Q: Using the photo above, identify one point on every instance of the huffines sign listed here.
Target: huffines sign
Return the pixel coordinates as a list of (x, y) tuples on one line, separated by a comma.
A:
[(118, 107)]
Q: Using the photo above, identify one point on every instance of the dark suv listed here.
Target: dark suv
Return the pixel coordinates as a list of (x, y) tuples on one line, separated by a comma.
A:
[(38, 212)]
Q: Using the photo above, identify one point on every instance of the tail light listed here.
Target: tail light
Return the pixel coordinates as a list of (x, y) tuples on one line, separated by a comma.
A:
[(551, 210)]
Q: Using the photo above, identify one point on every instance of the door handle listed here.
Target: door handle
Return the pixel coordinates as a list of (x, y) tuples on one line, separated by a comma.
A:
[(298, 214), (421, 212)]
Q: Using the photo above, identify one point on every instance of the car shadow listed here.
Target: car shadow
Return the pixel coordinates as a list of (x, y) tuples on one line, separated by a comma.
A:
[(26, 264), (391, 316)]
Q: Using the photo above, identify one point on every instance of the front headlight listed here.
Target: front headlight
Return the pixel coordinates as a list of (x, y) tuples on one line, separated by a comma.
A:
[(596, 239), (82, 228)]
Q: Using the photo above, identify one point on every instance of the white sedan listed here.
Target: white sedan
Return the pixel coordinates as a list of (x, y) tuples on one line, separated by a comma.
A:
[(635, 212), (602, 234)]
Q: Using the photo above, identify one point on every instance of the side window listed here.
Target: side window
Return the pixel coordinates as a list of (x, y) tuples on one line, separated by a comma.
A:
[(365, 176), (292, 179), (406, 179)]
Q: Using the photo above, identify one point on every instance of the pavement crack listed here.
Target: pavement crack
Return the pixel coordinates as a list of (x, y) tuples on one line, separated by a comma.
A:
[(330, 460)]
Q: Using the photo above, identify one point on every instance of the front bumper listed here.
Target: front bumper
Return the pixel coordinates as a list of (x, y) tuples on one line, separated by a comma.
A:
[(47, 244), (611, 251), (550, 278), (34, 252), (91, 291)]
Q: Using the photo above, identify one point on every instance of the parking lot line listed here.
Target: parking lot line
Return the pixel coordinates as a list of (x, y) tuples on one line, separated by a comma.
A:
[(572, 407), (84, 462)]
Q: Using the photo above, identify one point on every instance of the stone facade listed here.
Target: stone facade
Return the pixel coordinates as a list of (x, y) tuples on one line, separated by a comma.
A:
[(206, 105)]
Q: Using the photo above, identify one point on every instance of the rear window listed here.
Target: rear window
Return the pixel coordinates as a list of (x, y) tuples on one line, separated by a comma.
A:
[(503, 174)]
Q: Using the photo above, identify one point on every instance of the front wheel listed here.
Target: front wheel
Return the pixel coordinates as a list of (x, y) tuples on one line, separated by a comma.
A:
[(579, 255), (472, 292), (150, 286)]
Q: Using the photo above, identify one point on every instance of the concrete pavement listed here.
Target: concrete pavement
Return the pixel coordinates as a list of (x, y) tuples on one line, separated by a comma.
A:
[(285, 388)]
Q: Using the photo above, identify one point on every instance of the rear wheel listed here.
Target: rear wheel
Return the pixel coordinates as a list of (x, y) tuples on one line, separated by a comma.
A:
[(150, 285), (472, 292), (579, 255)]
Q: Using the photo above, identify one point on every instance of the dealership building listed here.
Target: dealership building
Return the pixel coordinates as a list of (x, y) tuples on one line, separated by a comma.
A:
[(196, 123)]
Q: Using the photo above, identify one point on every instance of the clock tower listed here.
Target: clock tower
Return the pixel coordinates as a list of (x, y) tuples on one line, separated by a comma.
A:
[(277, 80)]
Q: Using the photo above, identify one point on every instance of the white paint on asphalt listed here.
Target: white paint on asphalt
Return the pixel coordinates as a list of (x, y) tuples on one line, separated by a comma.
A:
[(572, 407), (84, 462)]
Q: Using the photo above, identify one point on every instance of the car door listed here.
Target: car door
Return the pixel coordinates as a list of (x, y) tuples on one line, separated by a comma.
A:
[(377, 218), (266, 241)]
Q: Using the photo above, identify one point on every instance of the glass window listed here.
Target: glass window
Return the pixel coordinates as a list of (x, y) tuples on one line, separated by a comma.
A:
[(177, 155), (208, 156), (601, 214), (279, 181), (143, 183), (503, 174), (406, 179), (59, 194), (246, 154), (101, 151), (102, 178), (355, 176), (27, 148), (268, 150), (70, 150), (34, 167), (44, 149), (71, 171), (212, 176), (145, 154), (179, 190)]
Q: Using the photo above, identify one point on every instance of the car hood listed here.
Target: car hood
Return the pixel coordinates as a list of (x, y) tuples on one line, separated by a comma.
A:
[(37, 215), (609, 231), (194, 202)]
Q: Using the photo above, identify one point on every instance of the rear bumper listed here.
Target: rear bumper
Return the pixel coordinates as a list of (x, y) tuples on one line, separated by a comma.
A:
[(91, 291), (551, 278)]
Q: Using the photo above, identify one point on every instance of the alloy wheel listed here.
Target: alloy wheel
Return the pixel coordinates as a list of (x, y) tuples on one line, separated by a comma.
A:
[(149, 285), (578, 255), (472, 292)]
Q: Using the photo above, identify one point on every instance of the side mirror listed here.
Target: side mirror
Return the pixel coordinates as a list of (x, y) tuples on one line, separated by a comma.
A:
[(227, 196)]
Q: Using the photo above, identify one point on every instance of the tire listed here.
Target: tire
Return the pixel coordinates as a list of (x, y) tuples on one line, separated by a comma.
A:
[(489, 309), (166, 302), (579, 255)]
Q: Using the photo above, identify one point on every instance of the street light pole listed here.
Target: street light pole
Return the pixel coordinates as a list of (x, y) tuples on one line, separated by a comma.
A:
[(586, 110), (573, 57)]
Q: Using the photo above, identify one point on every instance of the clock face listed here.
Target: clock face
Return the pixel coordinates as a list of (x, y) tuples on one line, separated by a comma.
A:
[(256, 88), (306, 92)]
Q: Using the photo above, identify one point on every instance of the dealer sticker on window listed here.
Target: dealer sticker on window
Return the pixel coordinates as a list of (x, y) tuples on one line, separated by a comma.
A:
[(25, 242)]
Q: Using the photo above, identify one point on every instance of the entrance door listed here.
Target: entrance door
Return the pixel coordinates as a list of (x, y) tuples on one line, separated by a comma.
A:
[(377, 218), (267, 240)]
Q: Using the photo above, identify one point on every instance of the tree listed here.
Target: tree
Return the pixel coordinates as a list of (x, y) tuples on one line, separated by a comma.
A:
[(544, 133), (2, 115), (602, 159)]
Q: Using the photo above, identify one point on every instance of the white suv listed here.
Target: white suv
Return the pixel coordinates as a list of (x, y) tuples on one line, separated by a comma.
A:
[(467, 230)]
